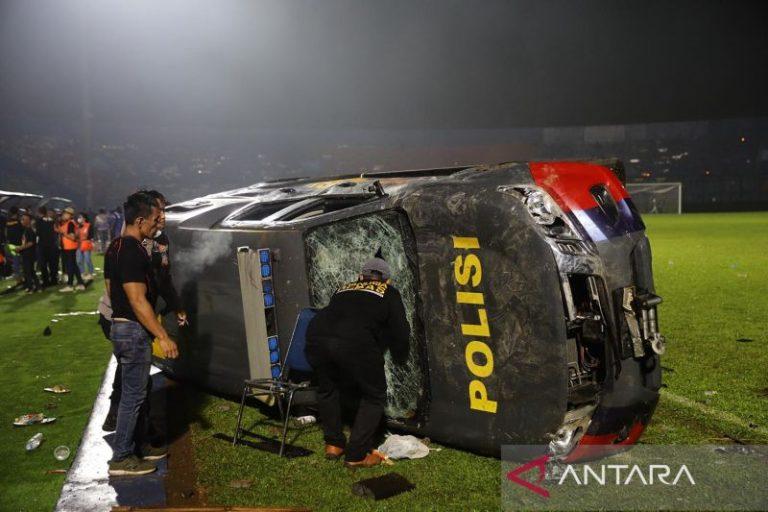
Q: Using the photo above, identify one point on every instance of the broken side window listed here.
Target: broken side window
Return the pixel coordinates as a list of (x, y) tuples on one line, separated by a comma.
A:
[(335, 253)]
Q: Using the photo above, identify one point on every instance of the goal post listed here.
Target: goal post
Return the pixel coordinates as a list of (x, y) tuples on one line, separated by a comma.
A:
[(657, 197)]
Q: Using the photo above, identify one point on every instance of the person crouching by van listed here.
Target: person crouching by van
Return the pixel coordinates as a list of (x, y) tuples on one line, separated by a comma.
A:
[(69, 246), (85, 249), (132, 294), (346, 340)]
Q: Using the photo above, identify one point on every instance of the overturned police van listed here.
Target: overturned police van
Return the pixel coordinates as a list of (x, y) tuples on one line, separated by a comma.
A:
[(528, 288)]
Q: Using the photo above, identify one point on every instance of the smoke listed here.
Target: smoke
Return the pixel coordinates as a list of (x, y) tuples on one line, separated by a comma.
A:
[(205, 249)]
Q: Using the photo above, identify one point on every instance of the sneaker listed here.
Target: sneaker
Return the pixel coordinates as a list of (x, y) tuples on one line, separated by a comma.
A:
[(87, 277), (131, 466), (110, 423), (149, 452), (67, 289), (80, 287)]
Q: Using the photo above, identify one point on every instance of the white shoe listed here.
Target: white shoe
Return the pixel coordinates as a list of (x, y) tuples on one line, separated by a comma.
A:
[(67, 289), (305, 420), (87, 277), (80, 287)]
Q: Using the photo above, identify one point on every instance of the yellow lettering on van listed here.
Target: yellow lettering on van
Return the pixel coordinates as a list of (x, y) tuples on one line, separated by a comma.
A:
[(478, 347), (481, 329), (464, 270), (478, 398)]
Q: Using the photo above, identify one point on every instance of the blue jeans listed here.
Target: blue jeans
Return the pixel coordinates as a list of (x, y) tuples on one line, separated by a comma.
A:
[(132, 347), (84, 262)]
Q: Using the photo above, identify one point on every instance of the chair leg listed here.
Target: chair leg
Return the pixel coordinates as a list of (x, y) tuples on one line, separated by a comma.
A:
[(240, 416), (285, 424)]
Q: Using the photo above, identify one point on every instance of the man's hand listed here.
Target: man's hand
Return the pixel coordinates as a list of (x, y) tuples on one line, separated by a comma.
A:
[(181, 318), (169, 347)]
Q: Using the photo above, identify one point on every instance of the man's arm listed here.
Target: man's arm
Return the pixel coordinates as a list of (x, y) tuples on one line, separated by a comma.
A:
[(136, 293)]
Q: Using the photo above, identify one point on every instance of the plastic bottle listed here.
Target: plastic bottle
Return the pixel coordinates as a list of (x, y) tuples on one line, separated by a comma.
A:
[(34, 441)]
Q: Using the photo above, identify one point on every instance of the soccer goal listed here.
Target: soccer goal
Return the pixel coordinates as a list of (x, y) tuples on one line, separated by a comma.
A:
[(657, 197)]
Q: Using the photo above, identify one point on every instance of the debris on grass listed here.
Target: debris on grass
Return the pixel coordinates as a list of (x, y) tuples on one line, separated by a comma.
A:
[(403, 447), (745, 340), (32, 419), (61, 452), (58, 389), (34, 441), (56, 472), (223, 407), (710, 393), (47, 331), (76, 313), (240, 484), (382, 487)]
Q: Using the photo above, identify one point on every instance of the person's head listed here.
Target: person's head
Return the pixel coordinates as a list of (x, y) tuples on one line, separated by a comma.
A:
[(376, 269), (13, 211), (42, 211), (102, 211), (52, 213), (67, 214), (141, 214), (161, 204), (26, 220)]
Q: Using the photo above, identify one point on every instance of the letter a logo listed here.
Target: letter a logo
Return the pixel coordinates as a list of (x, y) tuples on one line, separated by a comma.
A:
[(540, 463)]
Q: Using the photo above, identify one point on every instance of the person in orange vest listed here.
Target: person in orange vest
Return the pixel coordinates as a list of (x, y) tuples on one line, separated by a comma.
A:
[(85, 238), (69, 245)]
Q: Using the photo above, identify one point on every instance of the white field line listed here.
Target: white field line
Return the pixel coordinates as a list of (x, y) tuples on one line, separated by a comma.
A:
[(723, 416)]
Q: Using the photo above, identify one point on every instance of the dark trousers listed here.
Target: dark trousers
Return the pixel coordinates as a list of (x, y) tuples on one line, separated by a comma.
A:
[(48, 263), (337, 364), (132, 347), (30, 277), (70, 266)]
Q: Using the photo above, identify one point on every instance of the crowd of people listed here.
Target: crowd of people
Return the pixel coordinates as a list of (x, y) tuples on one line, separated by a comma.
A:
[(42, 248)]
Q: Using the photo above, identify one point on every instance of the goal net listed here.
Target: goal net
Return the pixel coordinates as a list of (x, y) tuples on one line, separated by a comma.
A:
[(657, 197)]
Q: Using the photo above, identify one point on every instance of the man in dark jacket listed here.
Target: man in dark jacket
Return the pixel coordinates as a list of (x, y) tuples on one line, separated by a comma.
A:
[(346, 341), (47, 247)]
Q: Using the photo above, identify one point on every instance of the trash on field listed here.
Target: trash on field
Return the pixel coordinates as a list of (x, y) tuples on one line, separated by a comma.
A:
[(240, 484), (745, 340), (58, 389), (710, 393), (223, 407), (56, 472), (61, 452), (54, 320), (305, 420), (47, 331), (382, 487), (77, 313), (34, 441), (31, 419), (403, 447)]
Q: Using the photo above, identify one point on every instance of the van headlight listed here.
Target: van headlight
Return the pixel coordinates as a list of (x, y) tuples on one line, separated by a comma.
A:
[(541, 207)]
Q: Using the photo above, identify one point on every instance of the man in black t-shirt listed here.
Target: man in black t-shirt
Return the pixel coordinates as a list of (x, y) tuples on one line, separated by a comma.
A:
[(27, 252), (47, 247), (346, 340), (133, 294)]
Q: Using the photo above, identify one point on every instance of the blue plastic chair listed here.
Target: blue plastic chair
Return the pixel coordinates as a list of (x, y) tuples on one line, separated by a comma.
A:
[(280, 388)]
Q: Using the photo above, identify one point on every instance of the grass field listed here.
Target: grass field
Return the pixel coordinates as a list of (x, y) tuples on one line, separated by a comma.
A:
[(710, 269), (74, 355)]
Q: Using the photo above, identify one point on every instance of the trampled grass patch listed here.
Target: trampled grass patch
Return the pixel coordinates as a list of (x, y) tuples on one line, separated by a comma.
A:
[(74, 355)]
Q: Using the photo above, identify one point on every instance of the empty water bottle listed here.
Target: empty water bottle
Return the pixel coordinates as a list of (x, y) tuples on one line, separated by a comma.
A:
[(34, 441)]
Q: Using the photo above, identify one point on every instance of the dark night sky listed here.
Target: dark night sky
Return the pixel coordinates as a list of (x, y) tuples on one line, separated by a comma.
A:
[(394, 64)]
